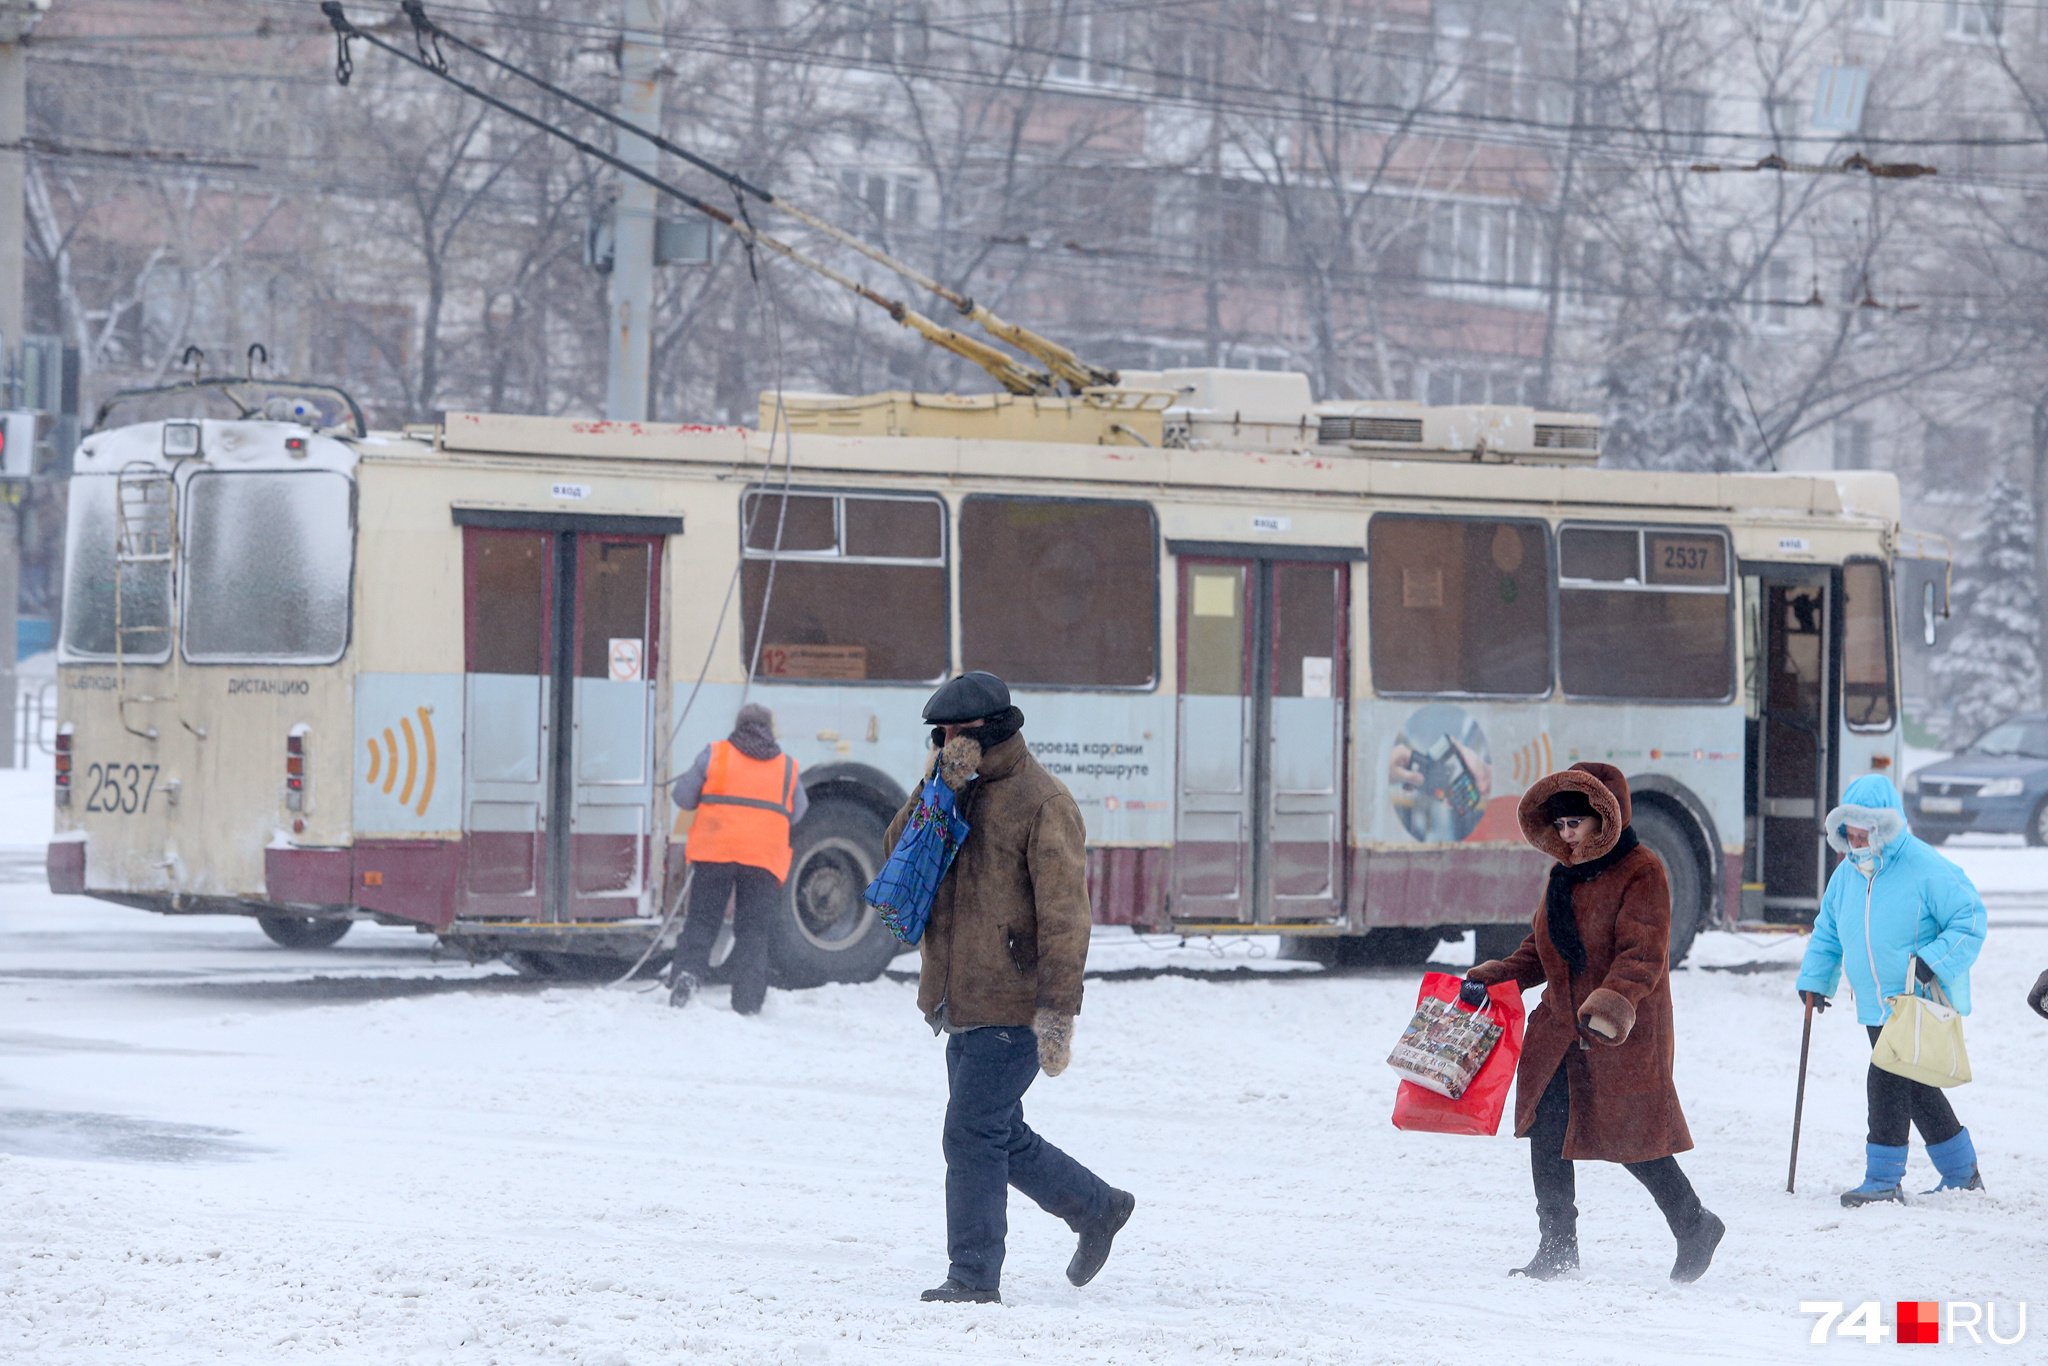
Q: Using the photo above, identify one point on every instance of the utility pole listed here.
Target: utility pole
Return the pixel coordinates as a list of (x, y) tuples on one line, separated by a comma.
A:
[(627, 395), (17, 17)]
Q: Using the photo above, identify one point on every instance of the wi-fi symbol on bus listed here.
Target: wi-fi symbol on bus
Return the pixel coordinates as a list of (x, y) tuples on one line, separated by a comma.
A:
[(384, 761), (1532, 760)]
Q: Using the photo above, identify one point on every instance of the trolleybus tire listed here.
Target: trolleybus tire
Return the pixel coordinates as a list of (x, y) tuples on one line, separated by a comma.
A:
[(304, 931), (1666, 837), (826, 931)]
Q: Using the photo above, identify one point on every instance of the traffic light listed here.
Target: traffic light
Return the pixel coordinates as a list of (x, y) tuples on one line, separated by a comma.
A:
[(17, 444)]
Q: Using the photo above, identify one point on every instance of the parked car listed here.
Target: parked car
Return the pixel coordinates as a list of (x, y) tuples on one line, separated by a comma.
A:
[(1998, 783)]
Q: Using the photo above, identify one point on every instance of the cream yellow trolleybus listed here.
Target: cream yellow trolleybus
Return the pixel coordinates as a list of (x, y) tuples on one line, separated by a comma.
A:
[(1296, 660)]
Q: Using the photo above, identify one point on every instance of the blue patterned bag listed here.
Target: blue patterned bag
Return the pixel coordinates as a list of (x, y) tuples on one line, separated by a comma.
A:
[(909, 881)]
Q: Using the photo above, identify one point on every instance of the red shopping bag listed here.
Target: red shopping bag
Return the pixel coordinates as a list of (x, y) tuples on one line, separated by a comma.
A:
[(1478, 1110)]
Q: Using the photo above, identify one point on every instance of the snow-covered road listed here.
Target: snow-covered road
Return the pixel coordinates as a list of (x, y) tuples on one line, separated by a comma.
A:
[(212, 1149)]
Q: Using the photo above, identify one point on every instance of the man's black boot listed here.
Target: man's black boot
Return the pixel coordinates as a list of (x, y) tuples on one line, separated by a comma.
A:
[(953, 1292), (1093, 1249), (1557, 1248)]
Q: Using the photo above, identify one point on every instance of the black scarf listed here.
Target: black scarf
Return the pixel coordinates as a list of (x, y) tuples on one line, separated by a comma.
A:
[(1557, 909)]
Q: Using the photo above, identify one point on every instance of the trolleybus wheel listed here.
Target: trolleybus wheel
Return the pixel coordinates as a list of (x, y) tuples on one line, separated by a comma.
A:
[(827, 932), (304, 931), (1661, 832)]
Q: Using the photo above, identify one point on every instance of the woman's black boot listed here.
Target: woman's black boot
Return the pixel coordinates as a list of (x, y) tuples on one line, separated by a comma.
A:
[(1696, 1247), (1558, 1249)]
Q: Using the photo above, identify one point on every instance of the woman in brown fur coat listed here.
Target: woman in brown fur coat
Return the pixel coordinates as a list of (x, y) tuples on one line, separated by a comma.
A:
[(1595, 1078)]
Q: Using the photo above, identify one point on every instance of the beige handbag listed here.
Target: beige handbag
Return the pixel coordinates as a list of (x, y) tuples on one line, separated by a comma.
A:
[(1922, 1038)]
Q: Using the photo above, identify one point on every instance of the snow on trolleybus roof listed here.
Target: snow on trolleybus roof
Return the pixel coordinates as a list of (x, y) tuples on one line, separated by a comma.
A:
[(1295, 660)]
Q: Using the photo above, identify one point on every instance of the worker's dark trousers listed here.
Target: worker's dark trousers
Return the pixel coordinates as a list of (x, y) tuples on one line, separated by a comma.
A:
[(754, 893)]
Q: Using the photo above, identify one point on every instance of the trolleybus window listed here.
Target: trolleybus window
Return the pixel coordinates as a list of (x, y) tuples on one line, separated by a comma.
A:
[(93, 540), (267, 565), (1060, 592), (860, 585), (1644, 614), (1459, 605), (1866, 647)]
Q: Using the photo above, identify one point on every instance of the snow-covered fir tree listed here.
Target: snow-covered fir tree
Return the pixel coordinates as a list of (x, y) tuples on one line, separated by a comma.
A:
[(1680, 409), (1988, 668)]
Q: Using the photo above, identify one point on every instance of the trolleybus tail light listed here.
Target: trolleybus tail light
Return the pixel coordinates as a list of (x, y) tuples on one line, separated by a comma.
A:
[(295, 770), (64, 765)]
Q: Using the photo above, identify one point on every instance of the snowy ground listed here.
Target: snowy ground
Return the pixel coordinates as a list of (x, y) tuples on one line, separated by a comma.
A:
[(212, 1149)]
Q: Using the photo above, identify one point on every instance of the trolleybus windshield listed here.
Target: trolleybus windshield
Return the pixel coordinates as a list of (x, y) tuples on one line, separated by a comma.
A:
[(267, 564)]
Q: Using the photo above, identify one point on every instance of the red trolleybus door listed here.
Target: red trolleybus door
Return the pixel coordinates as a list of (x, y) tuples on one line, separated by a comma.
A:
[(611, 797), (508, 729), (1213, 813), (1259, 820), (1303, 778), (558, 780)]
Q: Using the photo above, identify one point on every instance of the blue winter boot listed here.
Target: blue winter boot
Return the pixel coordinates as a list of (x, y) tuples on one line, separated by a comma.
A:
[(1884, 1167), (1956, 1160)]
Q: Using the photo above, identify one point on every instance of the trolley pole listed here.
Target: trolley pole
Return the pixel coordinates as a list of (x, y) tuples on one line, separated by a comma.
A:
[(17, 17), (627, 397)]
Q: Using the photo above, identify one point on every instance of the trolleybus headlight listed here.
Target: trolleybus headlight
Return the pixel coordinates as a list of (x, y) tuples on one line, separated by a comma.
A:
[(64, 765), (181, 440)]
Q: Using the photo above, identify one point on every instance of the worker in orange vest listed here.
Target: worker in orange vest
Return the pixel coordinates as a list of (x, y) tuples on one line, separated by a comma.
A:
[(747, 796)]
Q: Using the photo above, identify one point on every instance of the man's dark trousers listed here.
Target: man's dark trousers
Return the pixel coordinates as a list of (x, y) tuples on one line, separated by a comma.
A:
[(754, 893), (989, 1148)]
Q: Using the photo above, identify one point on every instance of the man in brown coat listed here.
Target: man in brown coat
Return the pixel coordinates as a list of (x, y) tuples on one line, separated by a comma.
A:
[(1001, 976), (1595, 1077)]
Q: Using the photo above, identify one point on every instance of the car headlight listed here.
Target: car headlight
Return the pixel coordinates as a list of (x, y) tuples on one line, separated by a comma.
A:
[(1910, 784), (2002, 787)]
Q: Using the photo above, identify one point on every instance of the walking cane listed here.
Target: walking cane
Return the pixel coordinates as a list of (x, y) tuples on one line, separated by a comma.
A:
[(1799, 1104)]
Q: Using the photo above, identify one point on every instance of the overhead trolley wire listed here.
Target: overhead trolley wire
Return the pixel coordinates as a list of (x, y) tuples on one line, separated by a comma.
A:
[(1060, 360), (1017, 378)]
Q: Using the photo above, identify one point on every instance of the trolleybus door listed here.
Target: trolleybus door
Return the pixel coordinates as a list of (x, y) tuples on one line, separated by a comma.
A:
[(1790, 642), (1260, 815), (558, 765)]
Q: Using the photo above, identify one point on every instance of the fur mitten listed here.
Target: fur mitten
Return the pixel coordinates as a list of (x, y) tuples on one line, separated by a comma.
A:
[(1612, 1008), (958, 761), (1489, 972), (1055, 1040)]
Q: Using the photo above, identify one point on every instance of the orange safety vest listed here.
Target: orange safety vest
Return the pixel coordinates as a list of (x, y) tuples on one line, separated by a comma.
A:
[(744, 813)]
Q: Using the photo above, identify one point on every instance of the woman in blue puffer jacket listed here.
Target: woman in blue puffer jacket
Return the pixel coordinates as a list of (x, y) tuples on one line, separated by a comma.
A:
[(1891, 900)]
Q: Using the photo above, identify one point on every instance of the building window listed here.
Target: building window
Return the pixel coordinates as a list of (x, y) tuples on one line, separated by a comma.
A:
[(1770, 296), (1852, 444), (1459, 605), (1060, 592), (1644, 613), (1095, 45), (1870, 13), (1685, 121), (1497, 244), (1975, 20), (834, 557)]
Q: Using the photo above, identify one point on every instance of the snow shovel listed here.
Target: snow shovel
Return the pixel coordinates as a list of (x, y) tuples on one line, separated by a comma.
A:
[(1799, 1104)]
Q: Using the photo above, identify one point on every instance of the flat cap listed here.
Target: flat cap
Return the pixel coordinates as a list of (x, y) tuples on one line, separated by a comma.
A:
[(969, 697)]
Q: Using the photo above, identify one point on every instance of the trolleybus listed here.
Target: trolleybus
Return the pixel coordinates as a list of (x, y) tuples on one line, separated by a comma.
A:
[(1295, 660)]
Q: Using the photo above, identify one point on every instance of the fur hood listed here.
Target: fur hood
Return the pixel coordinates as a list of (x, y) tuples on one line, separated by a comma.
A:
[(1870, 803), (1602, 785)]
